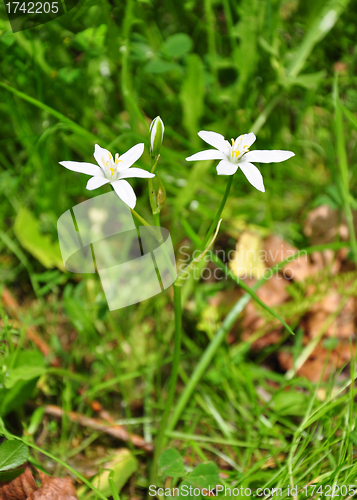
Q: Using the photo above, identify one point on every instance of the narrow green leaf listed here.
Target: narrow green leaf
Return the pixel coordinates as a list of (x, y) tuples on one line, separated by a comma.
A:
[(322, 24), (191, 96)]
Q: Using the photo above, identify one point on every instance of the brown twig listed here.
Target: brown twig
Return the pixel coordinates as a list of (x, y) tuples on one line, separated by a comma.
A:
[(13, 308), (114, 430)]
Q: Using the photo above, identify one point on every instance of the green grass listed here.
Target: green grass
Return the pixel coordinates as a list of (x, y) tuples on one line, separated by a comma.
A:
[(101, 74)]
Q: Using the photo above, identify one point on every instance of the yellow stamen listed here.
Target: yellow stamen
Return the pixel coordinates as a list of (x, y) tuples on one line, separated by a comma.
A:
[(117, 158), (110, 155), (232, 142), (112, 171)]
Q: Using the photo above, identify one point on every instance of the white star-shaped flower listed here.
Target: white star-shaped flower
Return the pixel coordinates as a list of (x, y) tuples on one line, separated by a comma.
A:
[(112, 170), (237, 155)]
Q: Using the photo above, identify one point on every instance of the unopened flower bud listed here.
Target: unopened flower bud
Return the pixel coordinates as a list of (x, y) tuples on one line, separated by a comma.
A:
[(156, 136)]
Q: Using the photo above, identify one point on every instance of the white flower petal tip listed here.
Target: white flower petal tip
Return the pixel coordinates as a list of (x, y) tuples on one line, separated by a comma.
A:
[(82, 167), (214, 139), (208, 154), (136, 172), (125, 192), (96, 182), (253, 175), (267, 156), (131, 156), (224, 167)]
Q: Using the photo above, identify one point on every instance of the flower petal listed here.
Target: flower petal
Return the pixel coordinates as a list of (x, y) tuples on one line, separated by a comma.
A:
[(82, 167), (247, 139), (125, 192), (135, 172), (224, 167), (253, 175), (101, 154), (214, 139), (96, 182), (208, 154), (267, 156), (131, 156)]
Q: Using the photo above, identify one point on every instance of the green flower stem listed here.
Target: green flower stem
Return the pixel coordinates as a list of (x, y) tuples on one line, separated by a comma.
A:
[(156, 235), (184, 274), (152, 194), (160, 440), (218, 214)]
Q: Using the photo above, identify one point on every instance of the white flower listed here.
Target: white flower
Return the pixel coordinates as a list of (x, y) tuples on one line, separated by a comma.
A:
[(237, 155), (112, 170)]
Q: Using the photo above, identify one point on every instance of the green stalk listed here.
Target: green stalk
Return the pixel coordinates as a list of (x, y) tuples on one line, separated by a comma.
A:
[(152, 194), (211, 36), (218, 214), (155, 234), (207, 357), (160, 440), (344, 174)]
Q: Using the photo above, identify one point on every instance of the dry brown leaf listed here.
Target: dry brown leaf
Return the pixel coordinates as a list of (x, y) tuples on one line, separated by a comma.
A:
[(54, 488), (19, 488), (324, 225), (277, 250), (24, 487), (323, 260), (344, 324), (314, 366)]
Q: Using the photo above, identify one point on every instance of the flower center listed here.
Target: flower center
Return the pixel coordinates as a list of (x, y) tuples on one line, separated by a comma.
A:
[(238, 149), (110, 166)]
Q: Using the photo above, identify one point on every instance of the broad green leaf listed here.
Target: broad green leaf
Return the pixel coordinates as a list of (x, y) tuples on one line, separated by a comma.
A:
[(11, 399), (22, 389), (178, 45), (159, 66), (289, 403), (27, 230), (203, 476), (23, 373), (12, 454), (10, 475), (171, 463)]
